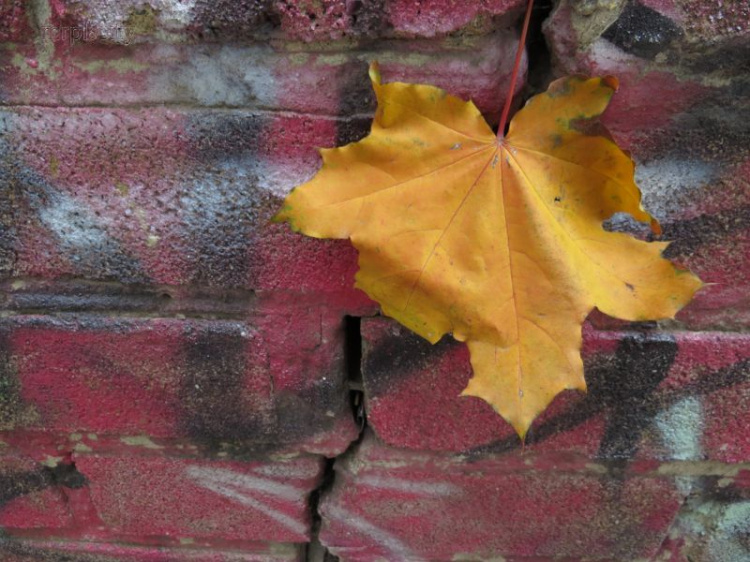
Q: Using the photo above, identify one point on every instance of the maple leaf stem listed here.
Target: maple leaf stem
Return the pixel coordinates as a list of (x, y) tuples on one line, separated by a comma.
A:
[(516, 69)]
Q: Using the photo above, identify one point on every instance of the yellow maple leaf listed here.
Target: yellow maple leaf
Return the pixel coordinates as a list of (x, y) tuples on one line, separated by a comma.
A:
[(498, 241)]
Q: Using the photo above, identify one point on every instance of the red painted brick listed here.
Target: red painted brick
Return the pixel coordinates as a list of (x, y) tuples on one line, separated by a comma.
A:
[(309, 20), (31, 500), (129, 23), (332, 83), (54, 551), (653, 395), (334, 19), (712, 237), (706, 20), (426, 18), (107, 382), (164, 197), (391, 504), (13, 20), (161, 196), (682, 112), (650, 96), (148, 497), (301, 20), (412, 392), (713, 523)]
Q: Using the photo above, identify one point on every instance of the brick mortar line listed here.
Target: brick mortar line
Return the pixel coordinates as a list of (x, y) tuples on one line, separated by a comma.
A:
[(114, 447), (667, 469), (153, 313), (121, 314), (260, 110), (456, 41), (43, 536), (83, 281)]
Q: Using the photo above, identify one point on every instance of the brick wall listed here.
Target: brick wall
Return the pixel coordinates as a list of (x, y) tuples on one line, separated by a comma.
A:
[(181, 380)]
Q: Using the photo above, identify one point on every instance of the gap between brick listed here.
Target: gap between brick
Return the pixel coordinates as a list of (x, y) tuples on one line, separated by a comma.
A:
[(316, 552)]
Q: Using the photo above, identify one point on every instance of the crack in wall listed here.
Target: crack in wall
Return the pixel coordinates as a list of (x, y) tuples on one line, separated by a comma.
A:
[(539, 72), (316, 552)]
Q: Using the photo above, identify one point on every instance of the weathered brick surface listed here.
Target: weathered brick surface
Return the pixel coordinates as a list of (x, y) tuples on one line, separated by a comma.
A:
[(144, 496), (131, 22), (243, 501), (713, 525), (14, 550), (651, 395), (104, 382), (393, 505), (683, 111), (29, 496), (183, 197), (13, 20), (436, 17), (165, 197), (253, 76), (173, 367)]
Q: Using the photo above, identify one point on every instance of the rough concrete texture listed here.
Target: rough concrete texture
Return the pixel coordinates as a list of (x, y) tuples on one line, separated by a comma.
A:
[(175, 370)]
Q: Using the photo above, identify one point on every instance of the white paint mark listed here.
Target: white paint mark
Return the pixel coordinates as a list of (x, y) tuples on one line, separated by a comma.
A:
[(609, 58), (282, 471), (108, 19), (288, 522), (212, 199), (728, 542), (73, 223), (721, 530), (381, 537), (178, 11), (667, 184), (417, 488), (239, 487), (226, 76), (281, 176), (681, 427), (223, 477)]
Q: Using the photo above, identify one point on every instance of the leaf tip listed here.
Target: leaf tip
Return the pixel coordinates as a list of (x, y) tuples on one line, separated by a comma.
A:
[(285, 215), (375, 72), (655, 227), (522, 430), (611, 82), (520, 424)]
